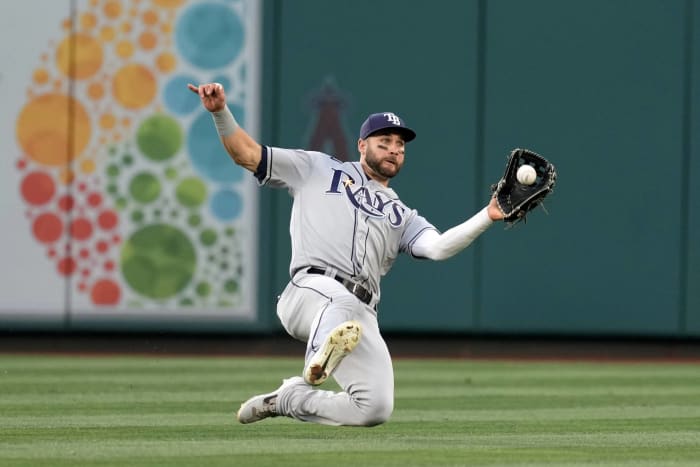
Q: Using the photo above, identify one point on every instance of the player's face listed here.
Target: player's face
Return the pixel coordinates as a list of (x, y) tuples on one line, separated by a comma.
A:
[(384, 156)]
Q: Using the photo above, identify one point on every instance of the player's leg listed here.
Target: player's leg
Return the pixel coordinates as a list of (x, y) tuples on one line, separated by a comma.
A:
[(366, 377)]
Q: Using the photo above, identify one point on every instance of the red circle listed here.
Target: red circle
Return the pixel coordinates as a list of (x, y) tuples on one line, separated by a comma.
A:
[(66, 203), (84, 253), (85, 272), (107, 220), (81, 229), (94, 199), (47, 228), (105, 292), (38, 188), (66, 266), (21, 164), (102, 246), (109, 265)]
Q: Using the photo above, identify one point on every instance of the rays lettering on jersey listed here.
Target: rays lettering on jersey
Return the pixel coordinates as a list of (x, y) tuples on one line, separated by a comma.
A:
[(375, 204)]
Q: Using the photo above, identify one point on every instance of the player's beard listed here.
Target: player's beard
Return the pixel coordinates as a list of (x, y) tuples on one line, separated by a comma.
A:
[(375, 163)]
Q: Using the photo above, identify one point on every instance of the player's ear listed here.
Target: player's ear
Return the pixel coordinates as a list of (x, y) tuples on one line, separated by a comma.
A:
[(361, 145)]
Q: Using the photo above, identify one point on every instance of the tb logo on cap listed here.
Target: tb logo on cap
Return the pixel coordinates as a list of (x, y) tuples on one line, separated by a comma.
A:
[(393, 118)]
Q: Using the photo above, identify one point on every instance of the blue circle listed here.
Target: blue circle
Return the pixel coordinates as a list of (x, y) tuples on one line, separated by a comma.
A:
[(226, 205), (178, 99), (209, 35), (207, 154)]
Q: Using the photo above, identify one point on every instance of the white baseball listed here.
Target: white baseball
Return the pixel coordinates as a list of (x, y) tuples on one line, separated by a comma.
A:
[(526, 174)]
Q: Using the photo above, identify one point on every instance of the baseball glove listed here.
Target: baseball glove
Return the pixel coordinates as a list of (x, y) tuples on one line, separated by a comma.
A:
[(516, 199)]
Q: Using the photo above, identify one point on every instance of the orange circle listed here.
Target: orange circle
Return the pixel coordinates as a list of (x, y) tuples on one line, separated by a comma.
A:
[(42, 129), (88, 20), (168, 3), (112, 9), (149, 17), (95, 91), (107, 121), (41, 76), (134, 86), (166, 62), (147, 40), (79, 56)]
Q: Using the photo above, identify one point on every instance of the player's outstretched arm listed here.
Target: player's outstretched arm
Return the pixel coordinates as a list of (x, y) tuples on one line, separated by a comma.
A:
[(242, 148), (436, 246)]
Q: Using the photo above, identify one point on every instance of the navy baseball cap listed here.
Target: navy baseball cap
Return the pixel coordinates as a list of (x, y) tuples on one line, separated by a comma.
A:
[(384, 121)]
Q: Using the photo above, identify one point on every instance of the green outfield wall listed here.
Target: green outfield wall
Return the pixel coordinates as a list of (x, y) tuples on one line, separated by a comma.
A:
[(607, 89)]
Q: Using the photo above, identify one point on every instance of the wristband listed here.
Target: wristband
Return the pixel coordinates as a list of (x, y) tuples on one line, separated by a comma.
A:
[(224, 121)]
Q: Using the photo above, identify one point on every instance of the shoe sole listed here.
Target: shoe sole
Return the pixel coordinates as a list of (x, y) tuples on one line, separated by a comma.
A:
[(340, 342)]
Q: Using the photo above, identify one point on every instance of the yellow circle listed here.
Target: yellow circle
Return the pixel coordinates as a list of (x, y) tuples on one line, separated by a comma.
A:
[(42, 129), (87, 166), (86, 57), (134, 86)]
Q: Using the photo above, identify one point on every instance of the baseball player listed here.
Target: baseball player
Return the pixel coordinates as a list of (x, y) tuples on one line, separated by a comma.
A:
[(347, 228)]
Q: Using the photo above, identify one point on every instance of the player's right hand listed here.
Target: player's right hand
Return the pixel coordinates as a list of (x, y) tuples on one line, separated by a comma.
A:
[(212, 95)]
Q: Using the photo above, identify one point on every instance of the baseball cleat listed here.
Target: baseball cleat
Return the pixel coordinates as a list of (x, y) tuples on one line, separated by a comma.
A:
[(257, 408), (340, 342), (264, 405)]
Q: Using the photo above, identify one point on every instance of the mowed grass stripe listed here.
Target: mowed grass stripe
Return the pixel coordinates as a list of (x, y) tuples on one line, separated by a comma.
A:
[(179, 411)]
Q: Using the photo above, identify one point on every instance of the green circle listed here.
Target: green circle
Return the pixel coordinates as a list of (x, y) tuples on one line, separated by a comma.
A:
[(112, 189), (203, 289), (194, 220), (230, 231), (127, 159), (187, 301), (121, 203), (137, 217), (159, 137), (191, 192), (158, 261), (208, 237), (231, 286), (171, 173), (113, 170), (144, 187)]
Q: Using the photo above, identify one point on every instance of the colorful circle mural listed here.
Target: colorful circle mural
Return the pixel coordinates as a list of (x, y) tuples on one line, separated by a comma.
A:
[(125, 184)]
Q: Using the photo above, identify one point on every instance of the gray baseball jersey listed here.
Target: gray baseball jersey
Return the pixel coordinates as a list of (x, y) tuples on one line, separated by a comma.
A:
[(340, 218)]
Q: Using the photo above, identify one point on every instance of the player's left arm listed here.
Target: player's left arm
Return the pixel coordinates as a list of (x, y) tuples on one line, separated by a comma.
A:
[(431, 244)]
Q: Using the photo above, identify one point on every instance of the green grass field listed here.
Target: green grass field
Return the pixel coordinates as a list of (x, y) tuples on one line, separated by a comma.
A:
[(127, 411)]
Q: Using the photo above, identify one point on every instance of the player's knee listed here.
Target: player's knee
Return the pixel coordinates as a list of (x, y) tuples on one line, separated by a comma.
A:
[(378, 412)]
